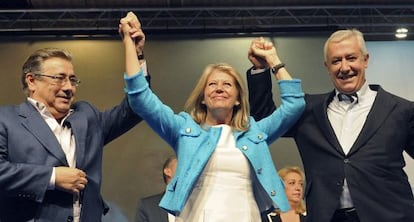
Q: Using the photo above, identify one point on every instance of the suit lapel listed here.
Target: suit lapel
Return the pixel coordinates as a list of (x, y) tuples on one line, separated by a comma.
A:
[(35, 124), (321, 116), (78, 124), (381, 108)]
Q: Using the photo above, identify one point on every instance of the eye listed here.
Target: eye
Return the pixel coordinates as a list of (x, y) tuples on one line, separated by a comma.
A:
[(73, 79), (60, 77), (352, 58), (227, 84), (335, 61)]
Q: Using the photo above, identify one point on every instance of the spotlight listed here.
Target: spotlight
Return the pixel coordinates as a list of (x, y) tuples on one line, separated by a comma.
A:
[(401, 33)]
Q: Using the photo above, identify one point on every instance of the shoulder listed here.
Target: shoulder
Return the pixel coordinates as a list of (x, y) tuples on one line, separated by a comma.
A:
[(9, 109), (384, 93), (11, 112), (81, 105), (317, 97)]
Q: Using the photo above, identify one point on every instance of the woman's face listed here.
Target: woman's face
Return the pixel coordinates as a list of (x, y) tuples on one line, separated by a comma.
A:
[(220, 94), (294, 187)]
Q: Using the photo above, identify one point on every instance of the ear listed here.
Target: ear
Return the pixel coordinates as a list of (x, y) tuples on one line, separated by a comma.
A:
[(366, 60), (30, 81), (168, 172)]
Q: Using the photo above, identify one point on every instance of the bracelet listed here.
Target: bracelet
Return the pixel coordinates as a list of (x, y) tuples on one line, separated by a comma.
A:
[(276, 68)]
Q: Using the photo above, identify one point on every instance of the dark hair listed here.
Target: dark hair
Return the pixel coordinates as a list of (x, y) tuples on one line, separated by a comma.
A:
[(167, 164), (34, 62)]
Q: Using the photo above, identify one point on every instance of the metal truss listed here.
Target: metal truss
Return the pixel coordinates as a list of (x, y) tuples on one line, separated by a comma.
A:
[(377, 22)]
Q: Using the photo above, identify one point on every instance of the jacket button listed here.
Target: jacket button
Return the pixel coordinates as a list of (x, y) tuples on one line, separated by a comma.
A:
[(244, 148), (188, 130), (346, 160), (70, 219), (273, 193), (260, 136), (259, 171)]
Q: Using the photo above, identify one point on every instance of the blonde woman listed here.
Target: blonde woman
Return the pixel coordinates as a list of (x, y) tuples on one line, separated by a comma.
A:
[(225, 171), (294, 178)]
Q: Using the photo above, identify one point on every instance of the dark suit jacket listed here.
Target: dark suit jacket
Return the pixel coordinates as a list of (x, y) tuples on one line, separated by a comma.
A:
[(29, 150), (373, 167), (149, 211)]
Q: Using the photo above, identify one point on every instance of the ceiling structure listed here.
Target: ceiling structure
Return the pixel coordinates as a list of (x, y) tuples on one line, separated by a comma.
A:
[(100, 18)]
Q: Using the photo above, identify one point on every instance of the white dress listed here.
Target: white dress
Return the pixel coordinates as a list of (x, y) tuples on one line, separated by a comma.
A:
[(224, 192)]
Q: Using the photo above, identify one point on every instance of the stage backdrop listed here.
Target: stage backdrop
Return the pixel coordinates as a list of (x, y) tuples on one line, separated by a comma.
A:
[(132, 164), (391, 65)]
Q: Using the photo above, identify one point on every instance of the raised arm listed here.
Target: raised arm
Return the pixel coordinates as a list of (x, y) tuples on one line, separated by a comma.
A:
[(291, 94), (262, 54), (133, 38)]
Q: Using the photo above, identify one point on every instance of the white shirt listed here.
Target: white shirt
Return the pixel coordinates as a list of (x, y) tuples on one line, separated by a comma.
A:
[(171, 218), (347, 119), (66, 140)]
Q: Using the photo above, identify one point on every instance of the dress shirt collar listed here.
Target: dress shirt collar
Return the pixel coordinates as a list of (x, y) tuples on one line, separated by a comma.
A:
[(360, 94), (42, 109)]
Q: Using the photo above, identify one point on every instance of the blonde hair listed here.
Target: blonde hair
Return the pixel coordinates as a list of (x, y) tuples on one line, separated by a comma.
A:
[(340, 35), (301, 207), (194, 106)]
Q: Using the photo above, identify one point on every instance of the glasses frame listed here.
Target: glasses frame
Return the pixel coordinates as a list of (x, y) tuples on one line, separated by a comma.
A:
[(61, 80)]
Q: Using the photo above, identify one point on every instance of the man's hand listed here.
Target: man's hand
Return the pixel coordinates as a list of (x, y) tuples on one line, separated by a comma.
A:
[(258, 62), (70, 180), (262, 53), (129, 26)]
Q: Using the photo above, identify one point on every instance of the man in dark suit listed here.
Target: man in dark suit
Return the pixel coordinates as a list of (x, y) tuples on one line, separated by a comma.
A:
[(148, 209), (51, 148), (351, 139)]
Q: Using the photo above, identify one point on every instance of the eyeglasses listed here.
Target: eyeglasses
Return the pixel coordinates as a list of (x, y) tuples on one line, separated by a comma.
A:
[(62, 80)]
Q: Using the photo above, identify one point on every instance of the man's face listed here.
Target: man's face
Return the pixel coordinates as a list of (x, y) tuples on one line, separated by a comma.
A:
[(346, 65), (57, 97)]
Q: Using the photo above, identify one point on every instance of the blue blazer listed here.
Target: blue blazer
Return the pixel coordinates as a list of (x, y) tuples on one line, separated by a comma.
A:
[(29, 150), (194, 145)]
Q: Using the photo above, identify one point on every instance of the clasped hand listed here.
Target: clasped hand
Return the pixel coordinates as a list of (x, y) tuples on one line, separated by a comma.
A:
[(70, 180), (130, 27), (262, 53)]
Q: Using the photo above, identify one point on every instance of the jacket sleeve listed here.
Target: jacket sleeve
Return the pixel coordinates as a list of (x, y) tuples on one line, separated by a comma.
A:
[(260, 94)]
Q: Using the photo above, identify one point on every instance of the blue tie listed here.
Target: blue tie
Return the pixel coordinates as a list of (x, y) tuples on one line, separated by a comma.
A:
[(348, 97)]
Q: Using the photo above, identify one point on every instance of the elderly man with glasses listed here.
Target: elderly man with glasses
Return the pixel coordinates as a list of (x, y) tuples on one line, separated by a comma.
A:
[(51, 148)]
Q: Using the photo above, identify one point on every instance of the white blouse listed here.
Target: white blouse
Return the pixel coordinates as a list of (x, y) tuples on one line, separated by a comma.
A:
[(224, 190)]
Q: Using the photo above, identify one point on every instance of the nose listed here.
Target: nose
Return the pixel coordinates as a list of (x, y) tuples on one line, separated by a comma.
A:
[(344, 67), (298, 187), (219, 88)]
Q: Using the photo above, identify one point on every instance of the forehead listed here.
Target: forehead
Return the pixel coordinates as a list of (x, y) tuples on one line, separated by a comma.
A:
[(58, 64), (293, 175), (220, 75), (344, 47)]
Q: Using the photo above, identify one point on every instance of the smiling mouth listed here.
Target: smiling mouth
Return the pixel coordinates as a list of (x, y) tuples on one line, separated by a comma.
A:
[(64, 97), (344, 77)]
